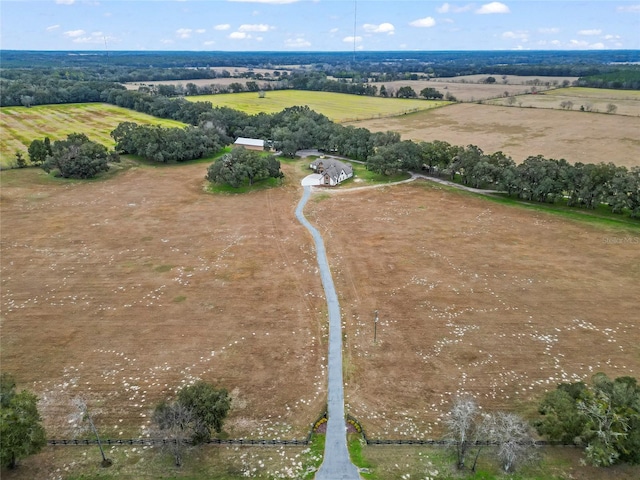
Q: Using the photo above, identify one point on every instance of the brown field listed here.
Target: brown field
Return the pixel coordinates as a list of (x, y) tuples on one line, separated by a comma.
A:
[(469, 88), (211, 81), (123, 290), (521, 132), (509, 80), (464, 92), (627, 102), (473, 297)]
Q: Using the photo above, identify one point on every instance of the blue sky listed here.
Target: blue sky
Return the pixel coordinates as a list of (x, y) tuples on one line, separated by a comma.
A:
[(318, 25)]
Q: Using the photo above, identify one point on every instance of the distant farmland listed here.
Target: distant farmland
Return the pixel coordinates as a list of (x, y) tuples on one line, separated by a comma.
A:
[(339, 107), (21, 125)]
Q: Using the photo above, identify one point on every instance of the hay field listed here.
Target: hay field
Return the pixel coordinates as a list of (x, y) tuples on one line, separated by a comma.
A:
[(520, 132), (21, 125), (473, 296), (125, 290), (627, 102), (338, 107)]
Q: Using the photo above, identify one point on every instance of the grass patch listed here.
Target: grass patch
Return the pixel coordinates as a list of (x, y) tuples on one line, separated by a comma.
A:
[(246, 188), (600, 215), (179, 299), (355, 446), (339, 107), (163, 268), (362, 175)]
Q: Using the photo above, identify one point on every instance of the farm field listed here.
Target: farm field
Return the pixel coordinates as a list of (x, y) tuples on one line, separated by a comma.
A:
[(21, 125), (508, 80), (627, 102), (520, 132), (473, 297), (123, 290), (338, 107), (464, 92)]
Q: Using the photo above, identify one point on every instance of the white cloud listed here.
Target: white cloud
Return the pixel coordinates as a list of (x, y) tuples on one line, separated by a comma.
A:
[(612, 37), (276, 2), (521, 36), (222, 26), (586, 45), (93, 37), (423, 22), (52, 27), (183, 32), (200, 30), (166, 42), (593, 31), (352, 39), (208, 43), (493, 7), (74, 33), (333, 30), (549, 30), (298, 42), (387, 28), (629, 9), (261, 27), (448, 8), (65, 2), (239, 35)]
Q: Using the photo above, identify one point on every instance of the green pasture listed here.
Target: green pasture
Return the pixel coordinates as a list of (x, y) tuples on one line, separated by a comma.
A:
[(339, 107), (21, 125)]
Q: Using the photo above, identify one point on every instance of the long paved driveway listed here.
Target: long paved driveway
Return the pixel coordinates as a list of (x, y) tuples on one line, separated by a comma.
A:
[(336, 464)]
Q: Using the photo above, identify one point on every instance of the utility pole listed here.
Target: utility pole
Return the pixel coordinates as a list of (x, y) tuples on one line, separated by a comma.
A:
[(375, 328)]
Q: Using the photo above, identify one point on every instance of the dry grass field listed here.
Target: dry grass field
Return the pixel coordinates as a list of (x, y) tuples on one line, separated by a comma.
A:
[(520, 132), (123, 290), (21, 125), (473, 297), (627, 102)]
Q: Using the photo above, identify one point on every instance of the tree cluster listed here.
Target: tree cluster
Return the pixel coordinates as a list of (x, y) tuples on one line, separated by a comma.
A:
[(74, 157), (604, 417), (21, 430), (198, 411), (470, 431), (243, 166), (161, 144)]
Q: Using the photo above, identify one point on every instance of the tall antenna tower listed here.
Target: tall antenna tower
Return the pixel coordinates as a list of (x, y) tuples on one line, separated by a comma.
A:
[(105, 47), (355, 20)]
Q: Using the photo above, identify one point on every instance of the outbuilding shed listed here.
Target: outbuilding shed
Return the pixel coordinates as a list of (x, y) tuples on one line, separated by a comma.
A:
[(249, 143)]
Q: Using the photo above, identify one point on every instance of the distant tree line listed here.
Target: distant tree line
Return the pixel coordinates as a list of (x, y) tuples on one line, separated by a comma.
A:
[(627, 78), (38, 78)]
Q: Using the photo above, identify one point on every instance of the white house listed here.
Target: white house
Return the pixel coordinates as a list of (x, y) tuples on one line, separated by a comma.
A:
[(249, 143), (329, 172)]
